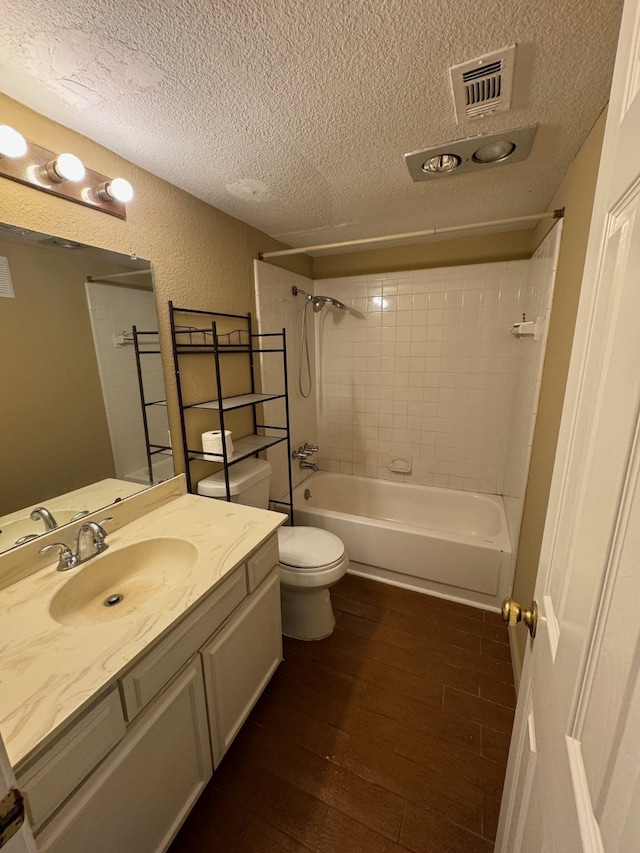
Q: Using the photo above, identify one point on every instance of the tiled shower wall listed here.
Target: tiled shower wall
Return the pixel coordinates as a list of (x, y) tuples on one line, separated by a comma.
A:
[(278, 308), (421, 366), (530, 354), (114, 309)]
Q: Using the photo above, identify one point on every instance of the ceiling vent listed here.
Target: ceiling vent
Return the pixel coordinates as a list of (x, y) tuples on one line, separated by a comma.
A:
[(483, 86)]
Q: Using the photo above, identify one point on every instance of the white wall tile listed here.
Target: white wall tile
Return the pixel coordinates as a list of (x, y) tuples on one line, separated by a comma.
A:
[(534, 301), (449, 332)]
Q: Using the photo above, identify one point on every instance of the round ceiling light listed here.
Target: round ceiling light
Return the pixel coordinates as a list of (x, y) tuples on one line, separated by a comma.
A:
[(494, 152), (442, 163)]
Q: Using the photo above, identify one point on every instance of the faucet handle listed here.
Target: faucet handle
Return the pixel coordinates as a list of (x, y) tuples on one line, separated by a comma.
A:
[(310, 448), (300, 453), (104, 521), (67, 559), (80, 514)]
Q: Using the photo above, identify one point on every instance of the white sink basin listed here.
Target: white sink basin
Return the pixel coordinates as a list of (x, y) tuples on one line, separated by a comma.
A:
[(116, 583)]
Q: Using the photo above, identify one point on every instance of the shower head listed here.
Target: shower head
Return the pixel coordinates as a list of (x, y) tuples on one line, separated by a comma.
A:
[(322, 300), (319, 302)]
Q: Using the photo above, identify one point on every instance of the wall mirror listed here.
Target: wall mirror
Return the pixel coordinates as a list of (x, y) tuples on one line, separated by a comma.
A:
[(71, 424)]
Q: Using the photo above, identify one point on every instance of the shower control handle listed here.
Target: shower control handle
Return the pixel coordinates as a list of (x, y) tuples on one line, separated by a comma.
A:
[(300, 453), (310, 448)]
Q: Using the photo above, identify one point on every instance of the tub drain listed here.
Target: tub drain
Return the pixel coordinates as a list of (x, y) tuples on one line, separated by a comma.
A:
[(113, 600)]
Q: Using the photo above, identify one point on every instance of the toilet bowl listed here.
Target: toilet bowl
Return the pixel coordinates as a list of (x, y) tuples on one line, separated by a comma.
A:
[(311, 560)]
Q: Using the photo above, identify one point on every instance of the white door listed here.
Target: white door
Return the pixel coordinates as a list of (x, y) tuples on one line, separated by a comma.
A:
[(23, 841), (573, 780)]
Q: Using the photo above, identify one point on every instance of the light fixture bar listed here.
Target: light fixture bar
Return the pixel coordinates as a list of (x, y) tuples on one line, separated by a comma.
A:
[(31, 169)]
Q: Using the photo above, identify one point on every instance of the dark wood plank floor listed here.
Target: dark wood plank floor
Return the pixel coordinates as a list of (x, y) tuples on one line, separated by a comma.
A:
[(391, 735)]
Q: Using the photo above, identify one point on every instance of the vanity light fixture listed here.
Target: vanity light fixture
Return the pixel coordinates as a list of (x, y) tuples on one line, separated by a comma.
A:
[(118, 189), (66, 167), (12, 143), (63, 175)]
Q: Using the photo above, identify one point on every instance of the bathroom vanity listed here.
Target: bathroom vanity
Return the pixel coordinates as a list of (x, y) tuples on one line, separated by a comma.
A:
[(114, 722)]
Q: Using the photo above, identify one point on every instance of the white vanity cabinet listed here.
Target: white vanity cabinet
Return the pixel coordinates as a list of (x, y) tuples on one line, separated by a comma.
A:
[(124, 774), (239, 662), (138, 797)]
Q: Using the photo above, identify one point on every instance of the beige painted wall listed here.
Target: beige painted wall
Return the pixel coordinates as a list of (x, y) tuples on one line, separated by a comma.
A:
[(576, 193), (54, 428), (201, 257), (478, 249)]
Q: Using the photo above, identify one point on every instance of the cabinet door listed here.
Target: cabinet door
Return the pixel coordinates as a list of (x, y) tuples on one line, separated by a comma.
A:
[(239, 662), (139, 797)]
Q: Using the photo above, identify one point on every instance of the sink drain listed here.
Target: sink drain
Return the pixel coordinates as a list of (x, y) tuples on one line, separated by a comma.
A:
[(113, 600)]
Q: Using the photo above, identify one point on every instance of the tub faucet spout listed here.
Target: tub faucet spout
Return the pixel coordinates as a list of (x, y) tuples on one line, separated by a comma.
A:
[(310, 465)]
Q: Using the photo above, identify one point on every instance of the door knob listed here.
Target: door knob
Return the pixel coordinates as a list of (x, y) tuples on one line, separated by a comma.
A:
[(512, 613)]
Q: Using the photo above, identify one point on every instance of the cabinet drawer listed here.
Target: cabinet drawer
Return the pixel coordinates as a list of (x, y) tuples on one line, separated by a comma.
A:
[(149, 676), (260, 564), (56, 772)]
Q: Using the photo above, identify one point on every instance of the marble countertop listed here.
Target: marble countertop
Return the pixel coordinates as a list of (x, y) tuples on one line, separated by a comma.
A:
[(49, 672)]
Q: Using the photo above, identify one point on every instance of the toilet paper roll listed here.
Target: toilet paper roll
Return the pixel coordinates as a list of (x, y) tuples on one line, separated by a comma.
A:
[(212, 444)]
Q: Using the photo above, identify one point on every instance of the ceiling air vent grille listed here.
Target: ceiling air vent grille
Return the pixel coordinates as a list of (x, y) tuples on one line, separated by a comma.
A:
[(483, 86)]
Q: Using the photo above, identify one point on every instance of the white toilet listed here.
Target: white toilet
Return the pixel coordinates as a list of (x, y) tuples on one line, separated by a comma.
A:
[(311, 560)]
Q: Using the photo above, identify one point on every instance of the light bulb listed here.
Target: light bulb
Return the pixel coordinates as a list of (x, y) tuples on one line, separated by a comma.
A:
[(68, 167), (120, 189), (494, 152), (441, 163), (12, 143)]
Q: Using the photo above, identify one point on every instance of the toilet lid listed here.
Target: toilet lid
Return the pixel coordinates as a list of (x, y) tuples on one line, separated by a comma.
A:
[(308, 547)]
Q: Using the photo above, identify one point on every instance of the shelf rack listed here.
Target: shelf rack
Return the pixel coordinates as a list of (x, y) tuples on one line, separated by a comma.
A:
[(140, 338), (201, 335)]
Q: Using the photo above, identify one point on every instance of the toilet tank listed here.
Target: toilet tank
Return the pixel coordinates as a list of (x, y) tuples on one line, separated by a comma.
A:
[(249, 483)]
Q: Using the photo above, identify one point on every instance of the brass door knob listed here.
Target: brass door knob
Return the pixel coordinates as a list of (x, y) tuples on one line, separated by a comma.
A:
[(512, 613)]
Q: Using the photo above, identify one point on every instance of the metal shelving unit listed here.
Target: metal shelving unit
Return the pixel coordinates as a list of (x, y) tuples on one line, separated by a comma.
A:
[(199, 333), (140, 337)]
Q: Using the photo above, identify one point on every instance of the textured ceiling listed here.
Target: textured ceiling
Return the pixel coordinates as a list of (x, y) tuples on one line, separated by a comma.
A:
[(295, 115)]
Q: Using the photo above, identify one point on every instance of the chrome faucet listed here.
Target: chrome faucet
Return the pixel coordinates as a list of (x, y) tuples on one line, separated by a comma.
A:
[(41, 512), (91, 536), (310, 465), (91, 542)]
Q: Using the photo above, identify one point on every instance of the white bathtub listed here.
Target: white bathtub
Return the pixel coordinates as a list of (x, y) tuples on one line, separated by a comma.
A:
[(447, 542)]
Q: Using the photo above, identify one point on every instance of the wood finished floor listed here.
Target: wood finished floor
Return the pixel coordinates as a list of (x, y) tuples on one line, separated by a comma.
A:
[(389, 736)]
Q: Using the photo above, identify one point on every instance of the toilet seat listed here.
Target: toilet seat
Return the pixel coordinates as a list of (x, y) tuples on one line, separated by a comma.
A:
[(310, 557), (309, 547)]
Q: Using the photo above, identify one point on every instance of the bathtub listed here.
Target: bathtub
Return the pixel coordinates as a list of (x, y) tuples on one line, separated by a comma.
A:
[(447, 542)]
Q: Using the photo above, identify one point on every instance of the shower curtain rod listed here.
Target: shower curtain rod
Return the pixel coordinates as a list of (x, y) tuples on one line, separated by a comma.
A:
[(430, 232), (117, 275)]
